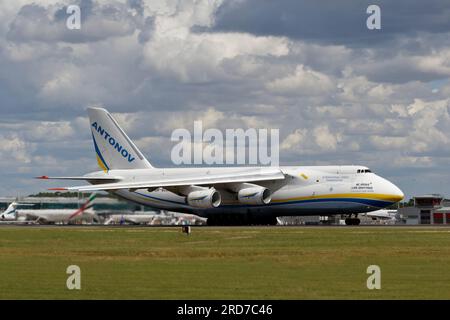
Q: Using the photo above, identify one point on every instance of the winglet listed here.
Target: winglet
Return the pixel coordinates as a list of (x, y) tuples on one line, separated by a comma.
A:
[(42, 177)]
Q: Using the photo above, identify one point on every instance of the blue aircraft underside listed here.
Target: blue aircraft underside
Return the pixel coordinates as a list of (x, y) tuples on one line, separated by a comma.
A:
[(300, 207)]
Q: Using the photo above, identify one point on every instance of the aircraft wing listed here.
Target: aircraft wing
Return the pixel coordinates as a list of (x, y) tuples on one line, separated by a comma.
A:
[(208, 180)]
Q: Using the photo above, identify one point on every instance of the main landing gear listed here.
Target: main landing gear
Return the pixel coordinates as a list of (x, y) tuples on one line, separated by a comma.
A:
[(350, 221)]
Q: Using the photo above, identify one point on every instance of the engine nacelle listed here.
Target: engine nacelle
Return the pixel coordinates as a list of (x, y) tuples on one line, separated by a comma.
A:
[(208, 198), (254, 195)]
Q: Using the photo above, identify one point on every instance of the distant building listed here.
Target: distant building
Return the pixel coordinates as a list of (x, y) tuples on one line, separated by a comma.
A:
[(428, 209)]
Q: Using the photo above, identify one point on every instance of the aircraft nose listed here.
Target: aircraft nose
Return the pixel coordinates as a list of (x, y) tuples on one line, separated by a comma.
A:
[(397, 192), (393, 191)]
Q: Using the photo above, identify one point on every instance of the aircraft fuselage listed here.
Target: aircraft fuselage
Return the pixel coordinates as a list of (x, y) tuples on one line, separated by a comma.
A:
[(312, 190)]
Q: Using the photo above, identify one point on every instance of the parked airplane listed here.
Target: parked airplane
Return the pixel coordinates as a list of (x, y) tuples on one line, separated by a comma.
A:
[(383, 214), (163, 218), (189, 219), (13, 213), (131, 218), (232, 195)]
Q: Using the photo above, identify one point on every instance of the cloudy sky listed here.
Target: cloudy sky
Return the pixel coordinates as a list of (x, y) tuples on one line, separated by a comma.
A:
[(338, 92)]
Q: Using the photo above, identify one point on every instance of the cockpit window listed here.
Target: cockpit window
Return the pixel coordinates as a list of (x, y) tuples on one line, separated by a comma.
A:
[(363, 171)]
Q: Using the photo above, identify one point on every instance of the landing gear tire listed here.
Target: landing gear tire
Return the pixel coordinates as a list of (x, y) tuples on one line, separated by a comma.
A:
[(352, 221)]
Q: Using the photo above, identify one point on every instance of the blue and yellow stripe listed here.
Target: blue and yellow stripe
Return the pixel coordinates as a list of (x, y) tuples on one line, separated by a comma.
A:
[(372, 199), (101, 162)]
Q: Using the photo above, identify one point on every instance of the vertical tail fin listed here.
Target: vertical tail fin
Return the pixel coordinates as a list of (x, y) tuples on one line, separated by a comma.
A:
[(10, 212), (114, 150)]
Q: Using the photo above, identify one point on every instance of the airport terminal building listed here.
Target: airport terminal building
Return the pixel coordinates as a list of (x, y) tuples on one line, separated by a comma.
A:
[(427, 209)]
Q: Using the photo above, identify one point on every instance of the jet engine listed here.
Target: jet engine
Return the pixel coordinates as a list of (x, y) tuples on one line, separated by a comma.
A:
[(207, 198), (254, 195)]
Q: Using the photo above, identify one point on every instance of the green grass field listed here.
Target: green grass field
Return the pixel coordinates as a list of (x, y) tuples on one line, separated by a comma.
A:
[(225, 263)]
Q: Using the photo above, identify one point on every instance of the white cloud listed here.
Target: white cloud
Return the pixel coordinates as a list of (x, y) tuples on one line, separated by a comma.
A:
[(50, 131), (160, 68), (325, 139), (47, 23), (303, 82), (404, 67), (389, 143), (294, 140), (199, 57), (315, 141), (402, 161), (14, 149)]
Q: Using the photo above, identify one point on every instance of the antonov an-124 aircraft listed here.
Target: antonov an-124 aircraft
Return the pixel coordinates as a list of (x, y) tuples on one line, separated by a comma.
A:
[(230, 195)]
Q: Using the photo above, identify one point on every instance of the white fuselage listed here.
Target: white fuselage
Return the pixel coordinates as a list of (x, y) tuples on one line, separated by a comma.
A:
[(311, 190), (52, 215)]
